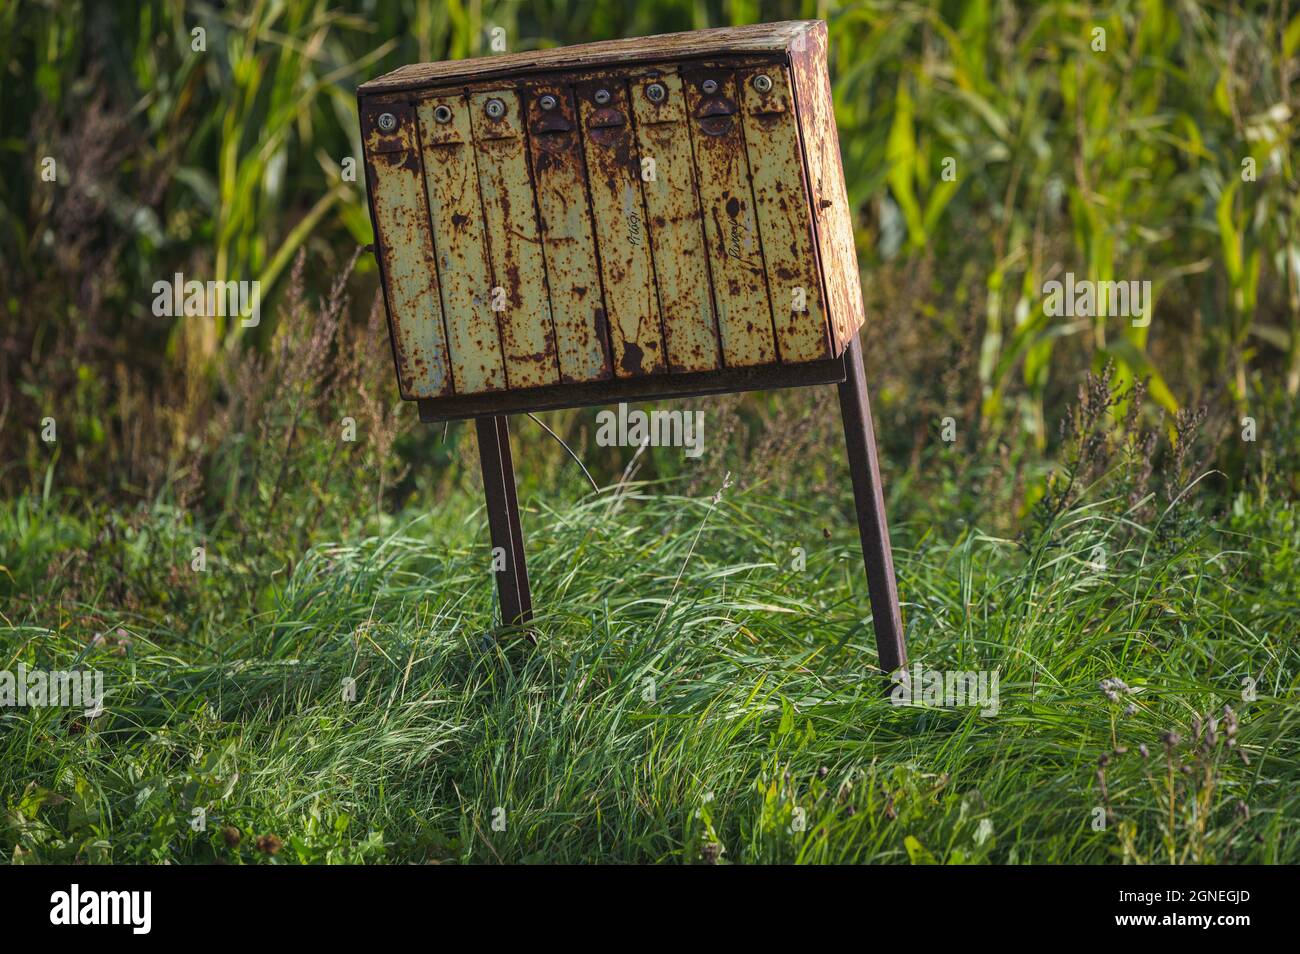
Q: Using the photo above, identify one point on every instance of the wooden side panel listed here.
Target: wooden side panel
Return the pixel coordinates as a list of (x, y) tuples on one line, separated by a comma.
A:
[(784, 220), (577, 307), (676, 225), (832, 217), (735, 256), (618, 213), (524, 312), (451, 183), (760, 38), (404, 247)]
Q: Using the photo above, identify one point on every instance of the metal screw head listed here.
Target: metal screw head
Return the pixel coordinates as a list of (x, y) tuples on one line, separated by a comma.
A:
[(763, 83), (601, 97), (495, 109), (709, 86), (442, 113), (548, 102), (656, 92), (387, 122)]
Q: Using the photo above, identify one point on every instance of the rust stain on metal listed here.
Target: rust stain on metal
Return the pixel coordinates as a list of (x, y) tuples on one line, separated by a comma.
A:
[(577, 308), (618, 211), (781, 204), (405, 250), (457, 221), (734, 250), (515, 248), (676, 224)]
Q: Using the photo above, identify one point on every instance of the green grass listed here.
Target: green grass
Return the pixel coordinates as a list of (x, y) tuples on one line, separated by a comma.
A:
[(768, 714)]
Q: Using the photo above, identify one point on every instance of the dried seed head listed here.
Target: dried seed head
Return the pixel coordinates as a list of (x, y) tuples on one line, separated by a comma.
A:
[(1112, 688), (269, 844), (726, 482)]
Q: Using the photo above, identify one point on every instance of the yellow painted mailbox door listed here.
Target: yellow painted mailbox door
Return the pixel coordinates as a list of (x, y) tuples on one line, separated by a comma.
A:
[(593, 225)]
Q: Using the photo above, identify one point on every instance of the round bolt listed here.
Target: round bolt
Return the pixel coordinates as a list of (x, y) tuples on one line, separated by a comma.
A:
[(710, 87), (763, 83), (387, 122), (442, 113), (548, 102), (601, 97), (656, 93), (495, 109)]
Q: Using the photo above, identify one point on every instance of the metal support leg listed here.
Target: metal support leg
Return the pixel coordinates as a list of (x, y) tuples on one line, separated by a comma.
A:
[(860, 439), (503, 519)]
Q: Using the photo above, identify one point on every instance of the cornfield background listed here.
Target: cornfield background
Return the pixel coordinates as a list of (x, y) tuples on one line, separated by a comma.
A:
[(221, 140)]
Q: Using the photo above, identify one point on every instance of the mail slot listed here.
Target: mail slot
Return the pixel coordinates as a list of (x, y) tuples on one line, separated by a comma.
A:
[(633, 218)]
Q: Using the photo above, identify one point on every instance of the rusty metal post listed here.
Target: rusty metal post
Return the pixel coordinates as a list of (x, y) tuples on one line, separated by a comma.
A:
[(860, 440), (503, 518)]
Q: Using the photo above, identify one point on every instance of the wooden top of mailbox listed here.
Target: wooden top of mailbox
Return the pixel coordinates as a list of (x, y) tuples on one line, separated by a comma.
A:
[(771, 38)]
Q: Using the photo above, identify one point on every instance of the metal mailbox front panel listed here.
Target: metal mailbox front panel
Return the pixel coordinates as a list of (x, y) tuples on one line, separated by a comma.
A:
[(618, 212), (675, 223), (519, 273), (456, 217), (405, 249), (577, 308), (784, 221), (598, 223), (735, 254)]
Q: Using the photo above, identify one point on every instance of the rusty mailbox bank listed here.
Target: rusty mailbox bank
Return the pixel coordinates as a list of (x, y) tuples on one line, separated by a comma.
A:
[(626, 220)]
